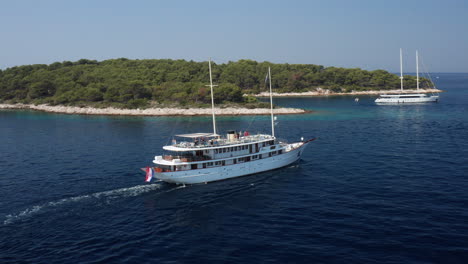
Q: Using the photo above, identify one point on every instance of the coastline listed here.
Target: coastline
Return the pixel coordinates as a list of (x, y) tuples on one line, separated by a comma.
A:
[(326, 92), (229, 111)]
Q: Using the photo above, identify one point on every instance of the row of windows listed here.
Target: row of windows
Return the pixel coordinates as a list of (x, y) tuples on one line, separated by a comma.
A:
[(219, 163), (231, 149), (237, 148), (243, 159)]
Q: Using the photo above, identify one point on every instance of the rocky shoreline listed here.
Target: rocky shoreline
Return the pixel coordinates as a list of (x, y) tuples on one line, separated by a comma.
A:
[(326, 92), (152, 111)]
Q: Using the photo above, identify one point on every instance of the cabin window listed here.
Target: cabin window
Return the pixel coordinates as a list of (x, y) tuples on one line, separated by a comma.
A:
[(272, 147), (280, 151), (204, 165), (216, 151)]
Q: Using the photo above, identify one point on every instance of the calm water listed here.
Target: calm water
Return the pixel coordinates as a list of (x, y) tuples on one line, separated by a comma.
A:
[(382, 184)]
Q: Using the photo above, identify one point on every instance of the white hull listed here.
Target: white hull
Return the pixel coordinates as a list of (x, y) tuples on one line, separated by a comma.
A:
[(234, 170), (401, 100)]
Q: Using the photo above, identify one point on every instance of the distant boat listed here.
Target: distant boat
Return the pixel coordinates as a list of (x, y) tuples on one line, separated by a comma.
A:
[(410, 97), (206, 157)]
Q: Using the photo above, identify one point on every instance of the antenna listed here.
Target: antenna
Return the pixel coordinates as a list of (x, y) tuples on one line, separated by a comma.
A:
[(212, 99), (401, 69), (271, 105)]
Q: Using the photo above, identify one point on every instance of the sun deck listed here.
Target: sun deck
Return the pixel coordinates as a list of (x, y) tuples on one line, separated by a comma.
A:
[(204, 143)]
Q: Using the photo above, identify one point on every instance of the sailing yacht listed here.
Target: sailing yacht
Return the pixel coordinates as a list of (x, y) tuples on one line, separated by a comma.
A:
[(206, 157), (407, 98)]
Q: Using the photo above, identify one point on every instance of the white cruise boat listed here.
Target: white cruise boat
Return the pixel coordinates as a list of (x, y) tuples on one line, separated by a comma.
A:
[(409, 97), (206, 157)]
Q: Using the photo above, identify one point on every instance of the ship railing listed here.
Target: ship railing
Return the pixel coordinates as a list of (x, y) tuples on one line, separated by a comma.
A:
[(159, 169), (186, 158), (220, 142)]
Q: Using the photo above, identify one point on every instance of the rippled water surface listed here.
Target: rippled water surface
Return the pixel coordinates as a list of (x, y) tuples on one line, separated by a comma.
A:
[(382, 184)]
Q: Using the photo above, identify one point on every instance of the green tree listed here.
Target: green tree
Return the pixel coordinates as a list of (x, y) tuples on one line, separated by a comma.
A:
[(41, 89)]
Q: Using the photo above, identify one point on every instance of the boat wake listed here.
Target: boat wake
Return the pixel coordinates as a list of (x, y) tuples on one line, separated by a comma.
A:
[(108, 196)]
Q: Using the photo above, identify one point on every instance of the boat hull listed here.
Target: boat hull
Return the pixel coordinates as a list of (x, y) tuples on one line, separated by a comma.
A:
[(232, 171), (429, 99)]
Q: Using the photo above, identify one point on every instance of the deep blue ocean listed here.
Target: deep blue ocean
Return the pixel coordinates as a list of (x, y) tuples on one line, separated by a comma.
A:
[(382, 184)]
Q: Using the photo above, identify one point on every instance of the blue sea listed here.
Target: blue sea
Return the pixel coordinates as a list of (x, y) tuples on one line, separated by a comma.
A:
[(381, 184)]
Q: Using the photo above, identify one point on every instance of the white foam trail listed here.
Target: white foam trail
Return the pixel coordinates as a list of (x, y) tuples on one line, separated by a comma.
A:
[(112, 194)]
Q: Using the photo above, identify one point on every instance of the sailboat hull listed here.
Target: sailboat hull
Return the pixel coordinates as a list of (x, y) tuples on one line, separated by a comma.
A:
[(401, 99), (235, 170)]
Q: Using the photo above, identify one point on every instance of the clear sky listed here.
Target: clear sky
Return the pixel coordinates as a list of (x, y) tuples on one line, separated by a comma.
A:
[(363, 34)]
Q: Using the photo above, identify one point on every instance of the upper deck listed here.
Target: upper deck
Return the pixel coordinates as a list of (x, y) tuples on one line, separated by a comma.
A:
[(402, 95), (205, 143)]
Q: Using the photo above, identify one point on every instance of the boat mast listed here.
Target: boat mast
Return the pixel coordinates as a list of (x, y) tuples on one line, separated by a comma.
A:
[(401, 69), (212, 99), (271, 106), (417, 71)]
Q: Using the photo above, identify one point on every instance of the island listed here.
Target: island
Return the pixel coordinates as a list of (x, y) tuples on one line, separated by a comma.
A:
[(178, 87)]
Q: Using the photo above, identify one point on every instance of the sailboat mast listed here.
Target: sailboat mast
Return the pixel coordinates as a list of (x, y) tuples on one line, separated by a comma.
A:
[(271, 106), (401, 69), (417, 71), (212, 99)]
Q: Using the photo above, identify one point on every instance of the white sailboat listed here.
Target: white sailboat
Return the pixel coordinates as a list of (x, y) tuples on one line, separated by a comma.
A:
[(410, 97), (207, 157)]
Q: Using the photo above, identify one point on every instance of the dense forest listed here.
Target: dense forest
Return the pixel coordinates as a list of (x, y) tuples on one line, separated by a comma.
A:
[(140, 83)]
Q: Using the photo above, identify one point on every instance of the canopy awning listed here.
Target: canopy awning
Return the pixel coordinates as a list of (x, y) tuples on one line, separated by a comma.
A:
[(197, 135)]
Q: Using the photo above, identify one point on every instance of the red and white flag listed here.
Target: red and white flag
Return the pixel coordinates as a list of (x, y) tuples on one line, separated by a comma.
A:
[(149, 174)]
